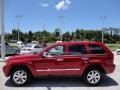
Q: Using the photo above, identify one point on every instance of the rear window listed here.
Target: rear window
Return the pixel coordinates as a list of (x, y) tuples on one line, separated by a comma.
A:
[(96, 49), (77, 49)]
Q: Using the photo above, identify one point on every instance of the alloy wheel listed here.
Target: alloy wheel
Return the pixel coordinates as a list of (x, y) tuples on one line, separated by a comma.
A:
[(20, 77)]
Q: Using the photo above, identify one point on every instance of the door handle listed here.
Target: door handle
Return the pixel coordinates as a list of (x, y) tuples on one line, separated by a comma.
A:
[(60, 59), (85, 58)]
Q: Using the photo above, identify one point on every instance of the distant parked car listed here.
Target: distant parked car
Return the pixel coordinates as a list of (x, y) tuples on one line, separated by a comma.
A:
[(118, 51), (30, 48), (10, 50), (20, 44), (35, 42)]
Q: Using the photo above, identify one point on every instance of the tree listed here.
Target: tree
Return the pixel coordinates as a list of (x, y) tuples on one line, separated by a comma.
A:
[(30, 36), (66, 36), (111, 35)]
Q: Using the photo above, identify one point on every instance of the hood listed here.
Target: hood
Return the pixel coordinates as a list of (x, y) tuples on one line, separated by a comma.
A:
[(24, 57)]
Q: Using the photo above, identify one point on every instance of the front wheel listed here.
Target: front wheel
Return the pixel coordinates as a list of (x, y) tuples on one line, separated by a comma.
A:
[(20, 77), (92, 76)]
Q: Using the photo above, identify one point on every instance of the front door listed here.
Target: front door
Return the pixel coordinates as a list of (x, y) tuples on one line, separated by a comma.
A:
[(51, 62)]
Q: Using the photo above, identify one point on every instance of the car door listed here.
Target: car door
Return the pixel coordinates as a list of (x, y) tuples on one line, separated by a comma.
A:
[(51, 62), (97, 53), (74, 59)]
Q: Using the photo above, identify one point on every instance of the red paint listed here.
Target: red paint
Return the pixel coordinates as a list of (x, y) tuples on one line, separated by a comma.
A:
[(71, 64)]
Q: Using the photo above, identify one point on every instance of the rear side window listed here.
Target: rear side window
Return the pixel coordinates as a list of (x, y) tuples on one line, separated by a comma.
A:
[(77, 49), (96, 49)]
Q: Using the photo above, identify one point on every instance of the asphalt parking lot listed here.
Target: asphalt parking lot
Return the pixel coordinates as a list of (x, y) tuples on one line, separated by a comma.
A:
[(111, 82)]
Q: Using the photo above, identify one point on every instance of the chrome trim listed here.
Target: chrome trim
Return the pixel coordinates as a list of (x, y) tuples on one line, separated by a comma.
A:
[(76, 69)]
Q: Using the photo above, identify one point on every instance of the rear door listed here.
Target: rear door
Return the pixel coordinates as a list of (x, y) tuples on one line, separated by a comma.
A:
[(74, 59), (97, 53)]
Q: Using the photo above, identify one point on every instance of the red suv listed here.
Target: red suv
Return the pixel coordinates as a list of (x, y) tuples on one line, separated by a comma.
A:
[(90, 60)]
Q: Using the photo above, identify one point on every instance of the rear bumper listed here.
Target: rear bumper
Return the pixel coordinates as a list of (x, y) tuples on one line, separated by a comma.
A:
[(110, 68)]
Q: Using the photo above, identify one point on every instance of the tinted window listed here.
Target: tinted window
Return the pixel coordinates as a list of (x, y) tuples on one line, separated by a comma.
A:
[(96, 49), (77, 49)]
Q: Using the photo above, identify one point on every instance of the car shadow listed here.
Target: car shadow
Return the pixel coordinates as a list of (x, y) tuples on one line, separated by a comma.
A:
[(64, 82)]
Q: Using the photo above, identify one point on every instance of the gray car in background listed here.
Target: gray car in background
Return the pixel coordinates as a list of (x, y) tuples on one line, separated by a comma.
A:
[(10, 50)]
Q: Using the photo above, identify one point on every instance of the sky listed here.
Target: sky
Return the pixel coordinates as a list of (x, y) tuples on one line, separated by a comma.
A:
[(39, 14)]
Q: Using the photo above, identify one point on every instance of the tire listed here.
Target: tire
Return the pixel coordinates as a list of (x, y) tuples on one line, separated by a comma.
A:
[(118, 52), (17, 52), (20, 77), (92, 76)]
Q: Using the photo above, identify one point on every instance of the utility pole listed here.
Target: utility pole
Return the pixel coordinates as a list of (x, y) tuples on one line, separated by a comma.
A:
[(61, 19), (18, 21), (102, 29), (43, 33), (2, 30)]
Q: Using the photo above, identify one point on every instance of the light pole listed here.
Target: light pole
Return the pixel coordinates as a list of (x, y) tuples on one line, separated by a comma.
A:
[(61, 19), (18, 21), (43, 33), (2, 30), (102, 29)]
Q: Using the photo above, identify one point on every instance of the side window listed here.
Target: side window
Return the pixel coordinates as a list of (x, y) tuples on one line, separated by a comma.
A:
[(96, 49), (56, 51), (77, 49)]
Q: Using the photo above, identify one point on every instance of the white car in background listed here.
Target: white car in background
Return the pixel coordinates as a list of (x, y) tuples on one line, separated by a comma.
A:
[(118, 51), (30, 48), (20, 44)]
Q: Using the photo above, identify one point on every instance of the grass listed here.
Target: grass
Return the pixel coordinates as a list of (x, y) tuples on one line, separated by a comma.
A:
[(113, 46)]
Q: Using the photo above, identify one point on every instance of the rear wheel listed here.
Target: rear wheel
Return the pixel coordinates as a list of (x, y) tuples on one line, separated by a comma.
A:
[(92, 76), (20, 76)]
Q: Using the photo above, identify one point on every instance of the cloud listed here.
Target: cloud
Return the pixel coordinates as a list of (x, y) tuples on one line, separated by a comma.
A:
[(64, 4), (44, 4)]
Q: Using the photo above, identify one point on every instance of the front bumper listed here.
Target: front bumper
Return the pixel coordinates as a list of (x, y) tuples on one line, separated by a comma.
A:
[(6, 69)]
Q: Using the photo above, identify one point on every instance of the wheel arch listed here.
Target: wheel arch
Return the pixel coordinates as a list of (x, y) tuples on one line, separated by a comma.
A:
[(95, 66), (20, 66)]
